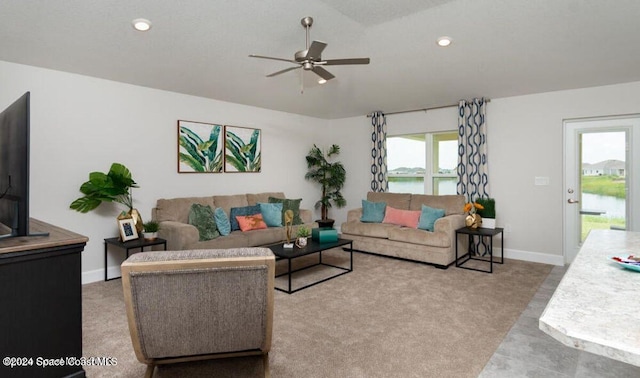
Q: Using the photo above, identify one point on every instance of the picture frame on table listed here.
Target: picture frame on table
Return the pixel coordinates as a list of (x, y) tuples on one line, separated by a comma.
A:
[(127, 229)]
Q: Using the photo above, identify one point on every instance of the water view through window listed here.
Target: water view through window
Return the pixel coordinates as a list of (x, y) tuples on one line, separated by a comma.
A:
[(412, 159), (603, 181)]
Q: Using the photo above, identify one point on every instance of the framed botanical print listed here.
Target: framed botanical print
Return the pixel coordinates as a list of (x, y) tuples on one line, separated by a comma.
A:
[(200, 147), (242, 149)]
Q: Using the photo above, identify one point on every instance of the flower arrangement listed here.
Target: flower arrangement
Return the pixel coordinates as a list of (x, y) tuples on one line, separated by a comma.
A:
[(472, 208)]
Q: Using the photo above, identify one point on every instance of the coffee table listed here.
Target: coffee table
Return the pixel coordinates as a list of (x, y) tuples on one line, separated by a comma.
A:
[(312, 247)]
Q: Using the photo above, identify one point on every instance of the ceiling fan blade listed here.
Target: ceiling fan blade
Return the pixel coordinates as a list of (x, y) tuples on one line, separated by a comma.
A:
[(336, 62), (315, 50), (322, 73), (283, 71), (272, 58)]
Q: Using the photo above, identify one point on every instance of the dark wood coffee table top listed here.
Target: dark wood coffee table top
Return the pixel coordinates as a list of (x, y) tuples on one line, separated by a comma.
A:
[(311, 247)]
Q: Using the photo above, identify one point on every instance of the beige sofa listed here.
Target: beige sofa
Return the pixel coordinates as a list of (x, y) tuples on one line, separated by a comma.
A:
[(437, 247), (172, 214)]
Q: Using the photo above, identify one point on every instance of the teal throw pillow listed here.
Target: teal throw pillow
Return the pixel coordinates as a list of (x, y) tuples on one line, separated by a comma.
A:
[(271, 213), (428, 217), (289, 204), (372, 212), (242, 211), (201, 217), (222, 221)]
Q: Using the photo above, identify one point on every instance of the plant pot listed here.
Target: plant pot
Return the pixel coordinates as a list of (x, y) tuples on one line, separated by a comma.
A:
[(149, 235), (301, 242), (322, 223), (488, 223)]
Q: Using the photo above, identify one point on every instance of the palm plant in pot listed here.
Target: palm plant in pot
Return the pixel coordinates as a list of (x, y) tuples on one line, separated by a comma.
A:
[(331, 176), (113, 186)]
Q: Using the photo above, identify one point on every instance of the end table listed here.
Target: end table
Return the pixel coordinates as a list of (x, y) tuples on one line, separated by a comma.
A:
[(481, 232), (129, 245)]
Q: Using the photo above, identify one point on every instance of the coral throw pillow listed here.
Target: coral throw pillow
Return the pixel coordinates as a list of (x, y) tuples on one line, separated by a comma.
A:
[(250, 222), (407, 218)]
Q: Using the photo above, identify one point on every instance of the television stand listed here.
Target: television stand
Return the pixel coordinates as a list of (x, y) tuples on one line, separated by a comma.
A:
[(41, 300)]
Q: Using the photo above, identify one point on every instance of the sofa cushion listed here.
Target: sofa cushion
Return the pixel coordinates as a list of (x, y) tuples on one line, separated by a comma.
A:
[(428, 217), (222, 221), (375, 230), (373, 212), (405, 218), (263, 237), (396, 200), (251, 222), (417, 236), (452, 203), (241, 211), (227, 202), (177, 209), (201, 216), (254, 199), (289, 204), (271, 213)]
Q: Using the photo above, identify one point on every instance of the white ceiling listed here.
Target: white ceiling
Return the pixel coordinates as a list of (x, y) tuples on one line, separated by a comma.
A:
[(200, 47)]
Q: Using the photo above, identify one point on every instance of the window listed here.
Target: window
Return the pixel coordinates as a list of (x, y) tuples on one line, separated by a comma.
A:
[(423, 163)]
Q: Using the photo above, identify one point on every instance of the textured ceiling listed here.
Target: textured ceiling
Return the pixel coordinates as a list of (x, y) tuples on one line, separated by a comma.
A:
[(201, 47)]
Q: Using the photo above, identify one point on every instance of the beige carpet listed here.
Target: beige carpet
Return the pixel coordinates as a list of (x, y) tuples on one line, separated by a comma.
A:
[(388, 318)]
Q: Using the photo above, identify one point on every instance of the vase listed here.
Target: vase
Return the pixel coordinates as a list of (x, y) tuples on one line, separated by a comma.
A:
[(473, 220), (137, 219)]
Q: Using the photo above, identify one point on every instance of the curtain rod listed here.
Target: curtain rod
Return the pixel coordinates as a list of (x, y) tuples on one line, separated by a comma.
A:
[(423, 109)]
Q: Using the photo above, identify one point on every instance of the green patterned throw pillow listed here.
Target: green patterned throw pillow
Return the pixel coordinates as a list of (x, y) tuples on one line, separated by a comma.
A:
[(201, 217), (289, 204)]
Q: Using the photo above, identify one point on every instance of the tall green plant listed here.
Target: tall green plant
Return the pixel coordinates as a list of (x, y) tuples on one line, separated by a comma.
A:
[(113, 186), (489, 205), (245, 157), (330, 175), (201, 156)]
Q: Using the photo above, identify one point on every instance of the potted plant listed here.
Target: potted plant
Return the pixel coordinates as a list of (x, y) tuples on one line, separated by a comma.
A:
[(303, 234), (113, 186), (488, 212), (331, 177), (150, 230)]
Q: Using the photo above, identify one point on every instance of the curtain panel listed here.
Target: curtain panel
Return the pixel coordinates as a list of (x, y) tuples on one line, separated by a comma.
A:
[(379, 179), (473, 170)]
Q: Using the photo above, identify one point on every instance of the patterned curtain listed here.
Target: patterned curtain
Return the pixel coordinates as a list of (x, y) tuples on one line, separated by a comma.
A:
[(473, 171), (379, 179)]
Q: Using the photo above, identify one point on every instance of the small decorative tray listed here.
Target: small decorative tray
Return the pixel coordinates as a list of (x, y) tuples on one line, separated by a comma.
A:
[(630, 262)]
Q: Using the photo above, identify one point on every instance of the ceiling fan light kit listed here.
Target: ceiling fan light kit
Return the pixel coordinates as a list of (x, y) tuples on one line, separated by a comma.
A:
[(310, 59)]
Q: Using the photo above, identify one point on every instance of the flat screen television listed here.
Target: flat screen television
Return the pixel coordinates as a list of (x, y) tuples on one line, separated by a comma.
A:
[(14, 169)]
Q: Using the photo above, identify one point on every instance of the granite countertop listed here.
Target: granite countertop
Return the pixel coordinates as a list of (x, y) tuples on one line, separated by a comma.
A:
[(596, 306)]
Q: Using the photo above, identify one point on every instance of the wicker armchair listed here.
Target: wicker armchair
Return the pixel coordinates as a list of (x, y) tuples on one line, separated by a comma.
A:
[(199, 304)]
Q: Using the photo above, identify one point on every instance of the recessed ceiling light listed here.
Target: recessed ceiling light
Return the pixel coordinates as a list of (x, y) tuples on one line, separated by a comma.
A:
[(443, 41), (322, 81), (141, 24)]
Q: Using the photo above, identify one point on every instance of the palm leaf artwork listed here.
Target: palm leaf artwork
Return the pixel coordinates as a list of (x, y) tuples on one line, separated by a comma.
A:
[(200, 147), (242, 149)]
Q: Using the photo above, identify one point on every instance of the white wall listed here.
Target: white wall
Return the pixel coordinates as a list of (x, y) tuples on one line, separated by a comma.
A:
[(81, 124), (525, 140)]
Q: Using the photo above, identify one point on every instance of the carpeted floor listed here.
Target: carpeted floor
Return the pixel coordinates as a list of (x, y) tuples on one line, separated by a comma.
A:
[(388, 318)]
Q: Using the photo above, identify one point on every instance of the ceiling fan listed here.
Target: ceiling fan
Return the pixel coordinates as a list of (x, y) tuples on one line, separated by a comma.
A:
[(310, 59)]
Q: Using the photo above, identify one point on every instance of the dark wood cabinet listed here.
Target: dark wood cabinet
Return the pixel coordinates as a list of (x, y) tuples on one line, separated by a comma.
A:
[(41, 303)]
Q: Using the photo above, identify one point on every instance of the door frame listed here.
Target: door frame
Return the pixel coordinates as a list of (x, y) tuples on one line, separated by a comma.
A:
[(571, 128)]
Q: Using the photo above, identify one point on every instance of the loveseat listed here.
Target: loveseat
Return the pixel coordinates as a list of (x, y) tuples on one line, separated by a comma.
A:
[(173, 215), (435, 247)]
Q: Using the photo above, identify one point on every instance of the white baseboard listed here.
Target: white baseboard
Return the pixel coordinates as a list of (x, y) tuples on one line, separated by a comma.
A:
[(537, 257), (98, 274)]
